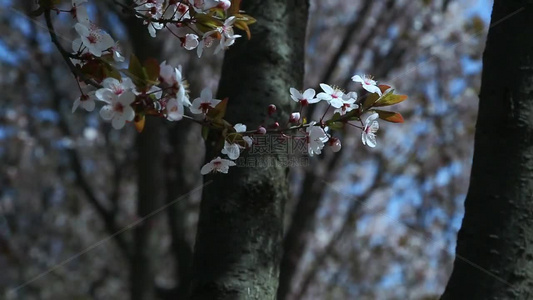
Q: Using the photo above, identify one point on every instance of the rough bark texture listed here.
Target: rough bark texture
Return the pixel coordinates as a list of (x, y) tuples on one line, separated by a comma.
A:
[(494, 246), (239, 239)]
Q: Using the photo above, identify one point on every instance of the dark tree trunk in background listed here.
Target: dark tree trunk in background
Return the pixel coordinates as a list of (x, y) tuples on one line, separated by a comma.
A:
[(494, 246), (150, 176), (239, 240)]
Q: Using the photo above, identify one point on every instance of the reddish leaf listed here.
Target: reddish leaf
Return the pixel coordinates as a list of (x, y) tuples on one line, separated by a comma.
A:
[(383, 88), (94, 69), (219, 111)]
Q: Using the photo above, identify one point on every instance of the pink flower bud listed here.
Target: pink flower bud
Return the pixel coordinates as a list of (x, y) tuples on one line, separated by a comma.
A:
[(261, 130), (275, 125), (335, 144), (224, 4), (271, 109), (295, 117)]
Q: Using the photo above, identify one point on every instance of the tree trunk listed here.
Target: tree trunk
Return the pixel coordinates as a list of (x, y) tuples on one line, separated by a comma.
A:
[(494, 253), (239, 240), (150, 176)]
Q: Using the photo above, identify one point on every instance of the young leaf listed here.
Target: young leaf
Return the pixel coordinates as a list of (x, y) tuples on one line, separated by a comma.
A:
[(152, 70), (370, 100), (136, 71), (390, 116), (139, 122), (205, 132), (110, 71), (335, 125), (219, 111), (389, 99)]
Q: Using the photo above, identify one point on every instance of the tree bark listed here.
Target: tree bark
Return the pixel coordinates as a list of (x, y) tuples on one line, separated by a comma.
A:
[(494, 245), (239, 240)]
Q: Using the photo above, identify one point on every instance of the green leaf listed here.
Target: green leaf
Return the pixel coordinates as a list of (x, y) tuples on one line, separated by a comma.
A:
[(336, 116), (137, 72), (48, 4), (372, 98), (110, 71), (390, 116), (335, 125), (205, 132), (151, 66), (389, 99)]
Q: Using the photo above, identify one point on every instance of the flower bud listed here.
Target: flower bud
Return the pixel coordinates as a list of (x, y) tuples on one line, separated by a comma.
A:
[(261, 130), (224, 4), (335, 144), (271, 109), (275, 125), (295, 117)]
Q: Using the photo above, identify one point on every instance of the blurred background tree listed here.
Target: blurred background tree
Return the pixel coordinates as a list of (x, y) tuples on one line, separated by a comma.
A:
[(360, 224)]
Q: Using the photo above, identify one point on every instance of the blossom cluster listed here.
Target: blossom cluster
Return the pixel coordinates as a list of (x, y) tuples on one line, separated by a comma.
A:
[(346, 107), (151, 88), (198, 24)]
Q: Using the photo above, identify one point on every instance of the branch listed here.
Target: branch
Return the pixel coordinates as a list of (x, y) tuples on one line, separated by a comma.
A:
[(107, 217), (310, 199), (65, 54)]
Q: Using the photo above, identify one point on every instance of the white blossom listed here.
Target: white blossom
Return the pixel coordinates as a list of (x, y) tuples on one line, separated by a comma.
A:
[(316, 137), (217, 165), (204, 103), (95, 39), (367, 83), (118, 109), (332, 95), (305, 98), (371, 127)]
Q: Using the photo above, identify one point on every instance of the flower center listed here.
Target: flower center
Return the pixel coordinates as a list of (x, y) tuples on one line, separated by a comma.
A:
[(118, 107), (182, 9), (205, 106), (93, 38)]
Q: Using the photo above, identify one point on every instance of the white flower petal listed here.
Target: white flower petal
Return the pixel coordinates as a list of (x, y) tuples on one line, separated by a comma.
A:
[(328, 89), (118, 122), (240, 127), (75, 105), (105, 95), (107, 112), (126, 98), (357, 78), (207, 168), (88, 104), (309, 94)]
